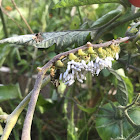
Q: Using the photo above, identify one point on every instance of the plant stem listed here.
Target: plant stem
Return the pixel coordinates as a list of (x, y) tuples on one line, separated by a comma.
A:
[(130, 120), (19, 26), (79, 13), (12, 118), (31, 107), (3, 23)]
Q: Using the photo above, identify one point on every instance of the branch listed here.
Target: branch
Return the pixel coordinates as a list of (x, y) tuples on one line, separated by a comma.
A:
[(12, 19), (12, 118), (31, 107), (35, 92), (130, 66), (22, 17)]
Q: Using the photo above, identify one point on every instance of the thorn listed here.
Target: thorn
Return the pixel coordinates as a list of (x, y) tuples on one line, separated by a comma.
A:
[(59, 63), (39, 69), (72, 56), (80, 52), (89, 44)]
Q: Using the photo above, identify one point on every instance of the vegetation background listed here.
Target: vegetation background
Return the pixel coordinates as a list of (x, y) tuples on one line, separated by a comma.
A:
[(57, 115)]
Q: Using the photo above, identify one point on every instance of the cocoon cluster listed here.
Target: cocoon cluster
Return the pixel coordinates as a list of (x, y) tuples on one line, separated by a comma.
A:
[(78, 70), (74, 67)]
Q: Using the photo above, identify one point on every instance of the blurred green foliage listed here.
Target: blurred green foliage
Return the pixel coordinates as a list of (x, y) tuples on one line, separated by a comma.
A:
[(71, 114)]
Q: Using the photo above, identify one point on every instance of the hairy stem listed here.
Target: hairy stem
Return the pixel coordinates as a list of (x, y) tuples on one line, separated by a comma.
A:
[(31, 107)]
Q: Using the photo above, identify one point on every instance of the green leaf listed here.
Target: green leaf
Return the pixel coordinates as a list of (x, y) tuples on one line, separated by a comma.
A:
[(110, 124), (87, 110), (70, 3), (61, 39), (120, 30), (122, 91), (64, 38), (128, 84), (129, 87), (9, 92), (45, 104), (106, 18), (71, 131)]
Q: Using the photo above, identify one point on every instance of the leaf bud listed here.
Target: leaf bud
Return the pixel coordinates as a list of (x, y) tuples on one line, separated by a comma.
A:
[(90, 50), (100, 50), (117, 48), (59, 63), (80, 52), (112, 46), (72, 56), (108, 52)]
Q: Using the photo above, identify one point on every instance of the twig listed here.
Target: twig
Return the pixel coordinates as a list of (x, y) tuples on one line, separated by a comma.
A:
[(12, 118), (35, 92), (3, 23), (22, 17), (12, 19), (130, 66), (31, 107), (137, 38), (134, 68)]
